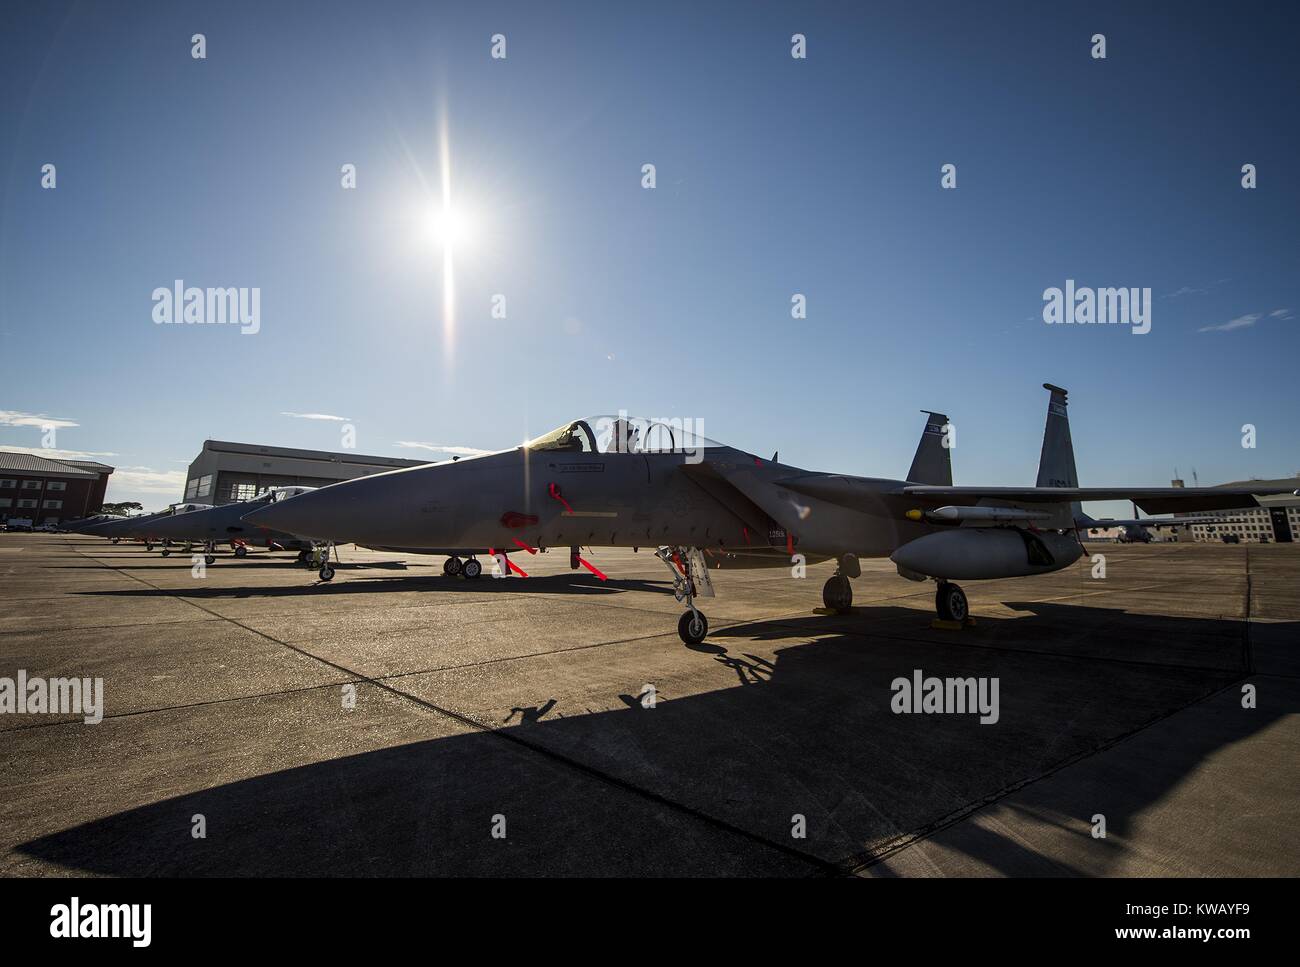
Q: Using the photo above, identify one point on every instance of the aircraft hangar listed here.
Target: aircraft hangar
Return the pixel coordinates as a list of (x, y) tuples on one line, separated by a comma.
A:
[(225, 472)]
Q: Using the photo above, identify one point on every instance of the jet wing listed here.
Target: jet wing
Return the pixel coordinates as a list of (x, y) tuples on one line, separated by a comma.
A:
[(1154, 500)]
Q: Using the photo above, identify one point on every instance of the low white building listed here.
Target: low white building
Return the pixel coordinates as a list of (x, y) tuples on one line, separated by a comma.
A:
[(225, 472), (1277, 520)]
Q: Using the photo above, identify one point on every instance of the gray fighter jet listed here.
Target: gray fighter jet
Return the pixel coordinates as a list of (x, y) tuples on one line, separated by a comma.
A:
[(141, 527), (87, 525), (223, 524), (599, 482)]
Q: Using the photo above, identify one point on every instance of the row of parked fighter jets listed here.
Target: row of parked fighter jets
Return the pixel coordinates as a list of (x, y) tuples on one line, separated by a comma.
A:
[(614, 482)]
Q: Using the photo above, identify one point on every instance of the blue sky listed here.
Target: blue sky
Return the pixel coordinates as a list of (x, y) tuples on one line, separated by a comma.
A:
[(775, 176)]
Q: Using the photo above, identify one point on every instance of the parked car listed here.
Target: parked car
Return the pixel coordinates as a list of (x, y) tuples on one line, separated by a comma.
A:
[(20, 525), (1231, 539)]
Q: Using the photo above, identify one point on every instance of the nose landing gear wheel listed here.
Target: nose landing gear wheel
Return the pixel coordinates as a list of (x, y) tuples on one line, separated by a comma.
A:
[(241, 551), (326, 573), (451, 567), (693, 627), (837, 594), (950, 602), (472, 568), (209, 559), (166, 552)]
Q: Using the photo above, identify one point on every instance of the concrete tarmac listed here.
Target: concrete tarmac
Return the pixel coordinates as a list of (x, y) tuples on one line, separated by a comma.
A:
[(398, 722)]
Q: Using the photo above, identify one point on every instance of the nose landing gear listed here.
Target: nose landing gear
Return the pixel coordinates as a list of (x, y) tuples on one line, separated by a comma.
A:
[(690, 578), (321, 556)]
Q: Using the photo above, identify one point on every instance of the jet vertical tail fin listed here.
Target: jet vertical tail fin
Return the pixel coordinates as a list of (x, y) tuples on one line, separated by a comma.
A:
[(933, 461), (1056, 462)]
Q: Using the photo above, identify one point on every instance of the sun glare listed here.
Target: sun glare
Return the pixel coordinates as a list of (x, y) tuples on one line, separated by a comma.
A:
[(450, 226)]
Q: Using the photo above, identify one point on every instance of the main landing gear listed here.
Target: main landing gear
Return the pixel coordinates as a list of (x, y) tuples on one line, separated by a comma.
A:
[(241, 550), (689, 580), (950, 602), (470, 567), (837, 593)]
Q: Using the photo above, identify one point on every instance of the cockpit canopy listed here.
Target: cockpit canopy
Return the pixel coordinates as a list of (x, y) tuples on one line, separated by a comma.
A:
[(624, 434), (274, 495), (186, 508)]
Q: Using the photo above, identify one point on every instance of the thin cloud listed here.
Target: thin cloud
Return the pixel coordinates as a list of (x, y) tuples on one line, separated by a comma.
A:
[(50, 453), (317, 416), (146, 480), (1241, 322), (1280, 314), (19, 418), (440, 448), (1194, 290)]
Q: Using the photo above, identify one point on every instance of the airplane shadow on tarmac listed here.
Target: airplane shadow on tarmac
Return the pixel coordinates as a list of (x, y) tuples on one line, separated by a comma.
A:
[(425, 583), (708, 783)]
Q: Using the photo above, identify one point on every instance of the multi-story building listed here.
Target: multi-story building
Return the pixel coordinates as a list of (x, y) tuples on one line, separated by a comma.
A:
[(47, 491)]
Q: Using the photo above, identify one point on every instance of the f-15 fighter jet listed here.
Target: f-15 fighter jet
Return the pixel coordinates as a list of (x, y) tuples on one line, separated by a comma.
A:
[(223, 524), (141, 527), (599, 482)]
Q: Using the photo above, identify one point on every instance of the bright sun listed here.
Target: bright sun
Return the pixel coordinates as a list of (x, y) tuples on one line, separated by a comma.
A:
[(450, 226)]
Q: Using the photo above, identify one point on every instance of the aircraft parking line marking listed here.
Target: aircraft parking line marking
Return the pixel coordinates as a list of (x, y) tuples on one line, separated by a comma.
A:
[(826, 867), (79, 720)]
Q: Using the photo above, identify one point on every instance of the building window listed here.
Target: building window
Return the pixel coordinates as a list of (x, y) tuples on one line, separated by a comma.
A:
[(53, 504), (205, 486), (8, 484), (26, 503), (243, 491), (31, 485), (56, 485), (190, 488), (6, 501)]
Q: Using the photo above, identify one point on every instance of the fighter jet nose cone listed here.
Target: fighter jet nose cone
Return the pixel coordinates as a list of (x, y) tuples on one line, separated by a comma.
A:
[(271, 516), (302, 515)]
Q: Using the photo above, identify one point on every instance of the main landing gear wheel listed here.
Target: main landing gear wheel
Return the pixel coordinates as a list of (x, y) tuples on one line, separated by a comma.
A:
[(693, 627), (451, 567), (326, 573), (117, 540), (472, 568), (148, 546), (837, 594), (209, 559), (241, 551), (950, 602), (166, 552)]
